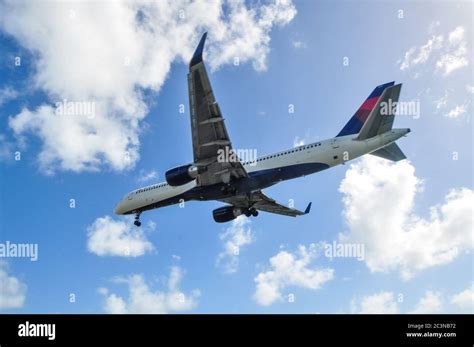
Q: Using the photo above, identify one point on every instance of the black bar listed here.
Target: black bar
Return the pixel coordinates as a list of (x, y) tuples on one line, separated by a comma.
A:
[(317, 330)]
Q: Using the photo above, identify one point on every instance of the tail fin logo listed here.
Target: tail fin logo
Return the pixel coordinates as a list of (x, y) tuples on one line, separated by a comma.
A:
[(358, 119)]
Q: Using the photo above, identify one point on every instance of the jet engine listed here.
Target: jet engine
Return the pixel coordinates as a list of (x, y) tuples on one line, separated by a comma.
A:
[(181, 175), (226, 214)]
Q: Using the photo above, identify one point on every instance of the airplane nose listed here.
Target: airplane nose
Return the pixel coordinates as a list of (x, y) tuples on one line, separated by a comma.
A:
[(118, 209)]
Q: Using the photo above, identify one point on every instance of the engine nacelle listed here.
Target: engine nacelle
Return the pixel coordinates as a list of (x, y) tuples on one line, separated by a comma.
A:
[(226, 214), (181, 175)]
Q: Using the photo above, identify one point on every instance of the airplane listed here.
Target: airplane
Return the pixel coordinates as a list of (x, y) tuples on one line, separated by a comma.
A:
[(239, 184)]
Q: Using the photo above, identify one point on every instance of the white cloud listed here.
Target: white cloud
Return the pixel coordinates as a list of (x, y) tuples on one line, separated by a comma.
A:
[(443, 101), (77, 143), (298, 141), (248, 31), (447, 55), (298, 44), (6, 94), (147, 176), (378, 209), (433, 26), (424, 52), (110, 54), (12, 290), (407, 58), (142, 299), (109, 237), (457, 111), (302, 140), (457, 55), (443, 104), (6, 148), (380, 303), (290, 269), (470, 88), (386, 303), (465, 299), (456, 36), (236, 236), (429, 303)]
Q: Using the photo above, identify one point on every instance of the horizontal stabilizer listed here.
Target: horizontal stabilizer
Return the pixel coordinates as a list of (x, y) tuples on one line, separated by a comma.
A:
[(391, 152)]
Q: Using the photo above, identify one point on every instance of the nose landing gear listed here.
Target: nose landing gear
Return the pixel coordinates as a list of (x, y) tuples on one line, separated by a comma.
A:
[(137, 219)]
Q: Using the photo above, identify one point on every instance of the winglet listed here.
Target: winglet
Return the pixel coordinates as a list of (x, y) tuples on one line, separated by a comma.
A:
[(308, 208), (197, 56)]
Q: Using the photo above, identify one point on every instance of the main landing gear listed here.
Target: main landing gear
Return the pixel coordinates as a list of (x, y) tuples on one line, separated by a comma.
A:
[(137, 219), (252, 211)]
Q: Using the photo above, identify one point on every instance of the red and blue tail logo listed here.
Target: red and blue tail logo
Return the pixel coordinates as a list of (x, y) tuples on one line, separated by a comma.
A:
[(354, 124)]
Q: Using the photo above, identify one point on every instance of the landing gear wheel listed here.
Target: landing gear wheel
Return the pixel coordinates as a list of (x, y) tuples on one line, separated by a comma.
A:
[(254, 213), (137, 219), (247, 213)]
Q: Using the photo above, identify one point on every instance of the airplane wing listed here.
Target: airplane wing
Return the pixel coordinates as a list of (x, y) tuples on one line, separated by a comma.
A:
[(262, 202), (209, 134)]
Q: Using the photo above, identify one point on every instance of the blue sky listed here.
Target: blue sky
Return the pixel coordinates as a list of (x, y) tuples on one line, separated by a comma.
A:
[(303, 66)]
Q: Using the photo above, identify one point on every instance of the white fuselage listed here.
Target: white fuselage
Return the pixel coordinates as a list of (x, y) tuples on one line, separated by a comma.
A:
[(330, 152)]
